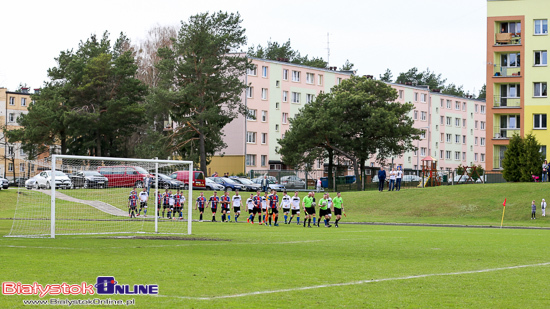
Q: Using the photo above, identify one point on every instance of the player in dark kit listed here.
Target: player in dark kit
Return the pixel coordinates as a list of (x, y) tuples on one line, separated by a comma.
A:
[(257, 207), (213, 203), (165, 202), (177, 204), (132, 203), (225, 207), (159, 203), (201, 201), (273, 201)]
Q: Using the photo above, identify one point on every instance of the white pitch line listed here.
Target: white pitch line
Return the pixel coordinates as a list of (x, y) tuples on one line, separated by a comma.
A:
[(357, 282)]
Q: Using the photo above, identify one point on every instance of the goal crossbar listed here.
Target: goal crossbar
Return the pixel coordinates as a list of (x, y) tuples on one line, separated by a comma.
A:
[(156, 161)]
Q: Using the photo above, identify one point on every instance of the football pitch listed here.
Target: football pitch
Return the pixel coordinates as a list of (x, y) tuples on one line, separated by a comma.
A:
[(240, 265)]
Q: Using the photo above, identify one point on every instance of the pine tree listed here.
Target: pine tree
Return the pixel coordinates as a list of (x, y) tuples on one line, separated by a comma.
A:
[(511, 163), (531, 158)]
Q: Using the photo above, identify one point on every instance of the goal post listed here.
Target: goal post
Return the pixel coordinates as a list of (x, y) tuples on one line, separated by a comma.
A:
[(98, 197)]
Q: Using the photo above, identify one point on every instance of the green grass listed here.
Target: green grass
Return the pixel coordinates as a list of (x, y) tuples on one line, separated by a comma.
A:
[(251, 258)]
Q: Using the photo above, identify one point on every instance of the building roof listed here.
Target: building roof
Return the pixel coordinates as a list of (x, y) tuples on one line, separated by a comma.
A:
[(303, 66), (427, 88)]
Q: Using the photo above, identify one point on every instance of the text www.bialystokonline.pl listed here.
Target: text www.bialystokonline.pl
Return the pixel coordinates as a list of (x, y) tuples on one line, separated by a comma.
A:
[(79, 302)]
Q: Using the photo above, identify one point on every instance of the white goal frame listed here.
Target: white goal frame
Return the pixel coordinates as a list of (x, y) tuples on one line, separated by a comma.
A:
[(155, 160)]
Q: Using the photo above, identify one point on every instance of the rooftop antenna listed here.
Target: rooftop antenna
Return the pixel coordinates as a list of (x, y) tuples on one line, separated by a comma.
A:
[(328, 48)]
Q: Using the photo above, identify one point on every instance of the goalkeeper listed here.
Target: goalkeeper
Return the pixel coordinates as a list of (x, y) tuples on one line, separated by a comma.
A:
[(143, 197)]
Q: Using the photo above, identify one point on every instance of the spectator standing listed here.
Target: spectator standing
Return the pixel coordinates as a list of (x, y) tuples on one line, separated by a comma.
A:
[(545, 171), (398, 176), (533, 210), (381, 179), (265, 184), (543, 207), (147, 183), (392, 179), (319, 184)]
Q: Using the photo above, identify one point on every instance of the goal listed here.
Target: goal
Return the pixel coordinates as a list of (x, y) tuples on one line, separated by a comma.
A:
[(96, 195)]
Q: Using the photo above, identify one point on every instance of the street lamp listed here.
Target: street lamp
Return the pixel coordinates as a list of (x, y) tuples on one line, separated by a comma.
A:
[(418, 150)]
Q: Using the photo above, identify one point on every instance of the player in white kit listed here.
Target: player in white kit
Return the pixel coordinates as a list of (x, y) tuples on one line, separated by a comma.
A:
[(295, 208), (236, 199), (285, 205)]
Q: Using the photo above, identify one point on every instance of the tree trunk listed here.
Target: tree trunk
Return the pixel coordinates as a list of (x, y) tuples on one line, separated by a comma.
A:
[(202, 151), (356, 170), (98, 149), (362, 165), (330, 164)]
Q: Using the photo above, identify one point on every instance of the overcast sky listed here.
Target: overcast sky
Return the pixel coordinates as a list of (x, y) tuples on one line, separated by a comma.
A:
[(445, 35)]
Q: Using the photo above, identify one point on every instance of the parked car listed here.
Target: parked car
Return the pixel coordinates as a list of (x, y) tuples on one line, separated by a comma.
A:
[(197, 181), (89, 179), (166, 182), (211, 185), (227, 183), (18, 182), (124, 176), (44, 180), (4, 183), (31, 183), (271, 186), (293, 181), (247, 184), (411, 178)]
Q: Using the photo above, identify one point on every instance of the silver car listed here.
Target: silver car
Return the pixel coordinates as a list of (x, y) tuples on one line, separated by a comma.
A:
[(3, 183)]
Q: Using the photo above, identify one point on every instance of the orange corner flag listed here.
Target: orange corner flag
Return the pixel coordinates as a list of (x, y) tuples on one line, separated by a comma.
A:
[(504, 204)]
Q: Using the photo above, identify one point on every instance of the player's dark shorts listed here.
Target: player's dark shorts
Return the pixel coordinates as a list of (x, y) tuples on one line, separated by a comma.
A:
[(328, 212), (322, 212), (133, 207), (310, 210), (337, 211), (201, 209), (256, 210), (159, 205), (142, 204), (273, 210), (178, 209), (295, 211), (237, 209), (286, 210), (214, 210), (226, 209), (164, 206)]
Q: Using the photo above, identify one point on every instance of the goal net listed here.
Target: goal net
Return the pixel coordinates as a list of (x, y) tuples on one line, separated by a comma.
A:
[(99, 195)]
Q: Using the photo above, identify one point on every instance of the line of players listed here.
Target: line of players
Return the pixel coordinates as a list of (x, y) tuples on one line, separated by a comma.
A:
[(267, 207), (171, 202)]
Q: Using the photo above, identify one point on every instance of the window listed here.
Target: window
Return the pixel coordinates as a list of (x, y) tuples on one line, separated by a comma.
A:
[(457, 105), (276, 105), (251, 137), (251, 114), (401, 94), (264, 116), (476, 108), (457, 155), (442, 137), (338, 80), (482, 157), (475, 156), (543, 151), (541, 58), (263, 160), (285, 96), (437, 110), (285, 118), (475, 124), (510, 60), (449, 137), (250, 92), (539, 121), (437, 127), (23, 101), (295, 76), (253, 71), (457, 138), (449, 104), (541, 26), (423, 97), (463, 139), (457, 122), (442, 120), (310, 98), (416, 96), (441, 103), (483, 109), (463, 122), (10, 167), (264, 93), (296, 97), (12, 100), (510, 90), (310, 78), (463, 156), (415, 152), (415, 115), (423, 134), (250, 160), (482, 141), (464, 107), (264, 138), (21, 152), (285, 74), (264, 71), (448, 154), (540, 90), (11, 153), (21, 167), (482, 126), (11, 117), (277, 127), (423, 116), (449, 120), (475, 140), (441, 154), (320, 80), (423, 151)]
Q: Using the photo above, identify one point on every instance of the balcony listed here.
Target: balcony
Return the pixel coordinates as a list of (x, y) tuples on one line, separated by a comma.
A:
[(504, 39), (506, 102), (504, 133), (500, 71)]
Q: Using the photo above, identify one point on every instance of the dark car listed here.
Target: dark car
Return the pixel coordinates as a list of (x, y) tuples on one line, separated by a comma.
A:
[(89, 179), (166, 182), (271, 186), (19, 182), (211, 185), (228, 183), (247, 184)]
